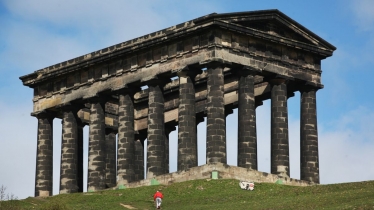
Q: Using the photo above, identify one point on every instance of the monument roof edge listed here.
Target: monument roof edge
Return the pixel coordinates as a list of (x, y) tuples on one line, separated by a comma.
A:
[(28, 79)]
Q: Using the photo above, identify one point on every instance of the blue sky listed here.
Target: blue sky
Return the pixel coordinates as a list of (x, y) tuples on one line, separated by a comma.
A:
[(37, 33)]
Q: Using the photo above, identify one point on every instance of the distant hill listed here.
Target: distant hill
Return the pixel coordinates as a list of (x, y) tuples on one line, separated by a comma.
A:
[(213, 194)]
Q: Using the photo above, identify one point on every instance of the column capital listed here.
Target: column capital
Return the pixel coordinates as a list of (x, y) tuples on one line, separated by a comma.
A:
[(277, 81), (141, 135), (102, 99), (199, 118), (247, 70), (109, 131), (215, 62), (128, 89), (308, 86), (44, 114), (169, 127), (154, 81), (70, 107), (187, 72), (258, 103), (229, 109)]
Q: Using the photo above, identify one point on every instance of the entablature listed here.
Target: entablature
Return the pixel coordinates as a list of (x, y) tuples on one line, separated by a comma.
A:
[(194, 35)]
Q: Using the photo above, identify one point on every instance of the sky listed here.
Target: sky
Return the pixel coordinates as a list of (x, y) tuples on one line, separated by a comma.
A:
[(38, 33)]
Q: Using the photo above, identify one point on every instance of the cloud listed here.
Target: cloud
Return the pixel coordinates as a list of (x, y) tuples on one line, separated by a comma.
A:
[(346, 147), (17, 149), (364, 14)]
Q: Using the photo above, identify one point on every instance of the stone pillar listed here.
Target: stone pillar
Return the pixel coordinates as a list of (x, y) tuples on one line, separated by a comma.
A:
[(110, 161), (156, 130), (80, 158), (69, 172), (168, 129), (247, 138), (187, 133), (280, 163), (126, 138), (44, 156), (139, 155), (309, 136), (216, 119), (96, 147)]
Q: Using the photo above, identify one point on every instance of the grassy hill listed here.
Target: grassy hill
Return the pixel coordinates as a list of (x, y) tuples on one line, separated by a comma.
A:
[(213, 194)]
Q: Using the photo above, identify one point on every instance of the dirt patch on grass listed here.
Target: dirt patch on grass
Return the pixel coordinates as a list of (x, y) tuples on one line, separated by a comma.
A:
[(127, 206)]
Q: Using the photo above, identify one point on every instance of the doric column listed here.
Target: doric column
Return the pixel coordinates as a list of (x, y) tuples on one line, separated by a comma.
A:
[(156, 129), (187, 135), (168, 129), (280, 163), (309, 170), (44, 156), (69, 171), (247, 138), (126, 138), (216, 119), (80, 157), (110, 161), (139, 155), (96, 147)]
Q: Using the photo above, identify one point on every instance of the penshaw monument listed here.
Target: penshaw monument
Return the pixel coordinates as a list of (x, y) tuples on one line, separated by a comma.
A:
[(201, 68)]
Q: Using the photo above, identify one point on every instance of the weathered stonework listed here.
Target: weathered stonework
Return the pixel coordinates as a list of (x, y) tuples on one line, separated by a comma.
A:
[(96, 148), (80, 158), (221, 62), (309, 169), (70, 174), (156, 132), (216, 119), (110, 161), (224, 172), (280, 160), (247, 138), (126, 138), (139, 160), (187, 128), (44, 156)]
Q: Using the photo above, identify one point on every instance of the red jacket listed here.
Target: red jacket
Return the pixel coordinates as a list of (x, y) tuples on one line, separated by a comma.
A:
[(158, 195)]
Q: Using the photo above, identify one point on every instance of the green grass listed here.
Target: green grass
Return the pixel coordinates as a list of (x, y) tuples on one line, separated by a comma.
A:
[(213, 194)]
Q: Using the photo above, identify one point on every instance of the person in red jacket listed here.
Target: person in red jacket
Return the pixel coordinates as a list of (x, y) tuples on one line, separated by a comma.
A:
[(157, 197)]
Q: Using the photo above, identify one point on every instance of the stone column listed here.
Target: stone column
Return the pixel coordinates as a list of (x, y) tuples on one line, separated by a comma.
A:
[(44, 156), (69, 172), (96, 147), (247, 138), (216, 120), (80, 158), (126, 138), (168, 129), (139, 155), (156, 130), (110, 162), (309, 136), (187, 135), (279, 129)]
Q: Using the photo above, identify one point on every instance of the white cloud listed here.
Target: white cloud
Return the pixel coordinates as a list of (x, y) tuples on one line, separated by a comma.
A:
[(17, 150), (346, 149), (364, 12)]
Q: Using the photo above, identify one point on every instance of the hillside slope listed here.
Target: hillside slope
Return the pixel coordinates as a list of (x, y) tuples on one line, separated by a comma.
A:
[(213, 194)]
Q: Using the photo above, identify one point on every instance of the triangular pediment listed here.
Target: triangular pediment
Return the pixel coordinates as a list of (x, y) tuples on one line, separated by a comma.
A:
[(273, 23)]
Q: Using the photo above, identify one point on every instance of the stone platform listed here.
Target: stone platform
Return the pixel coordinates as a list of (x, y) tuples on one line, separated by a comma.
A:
[(223, 171)]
